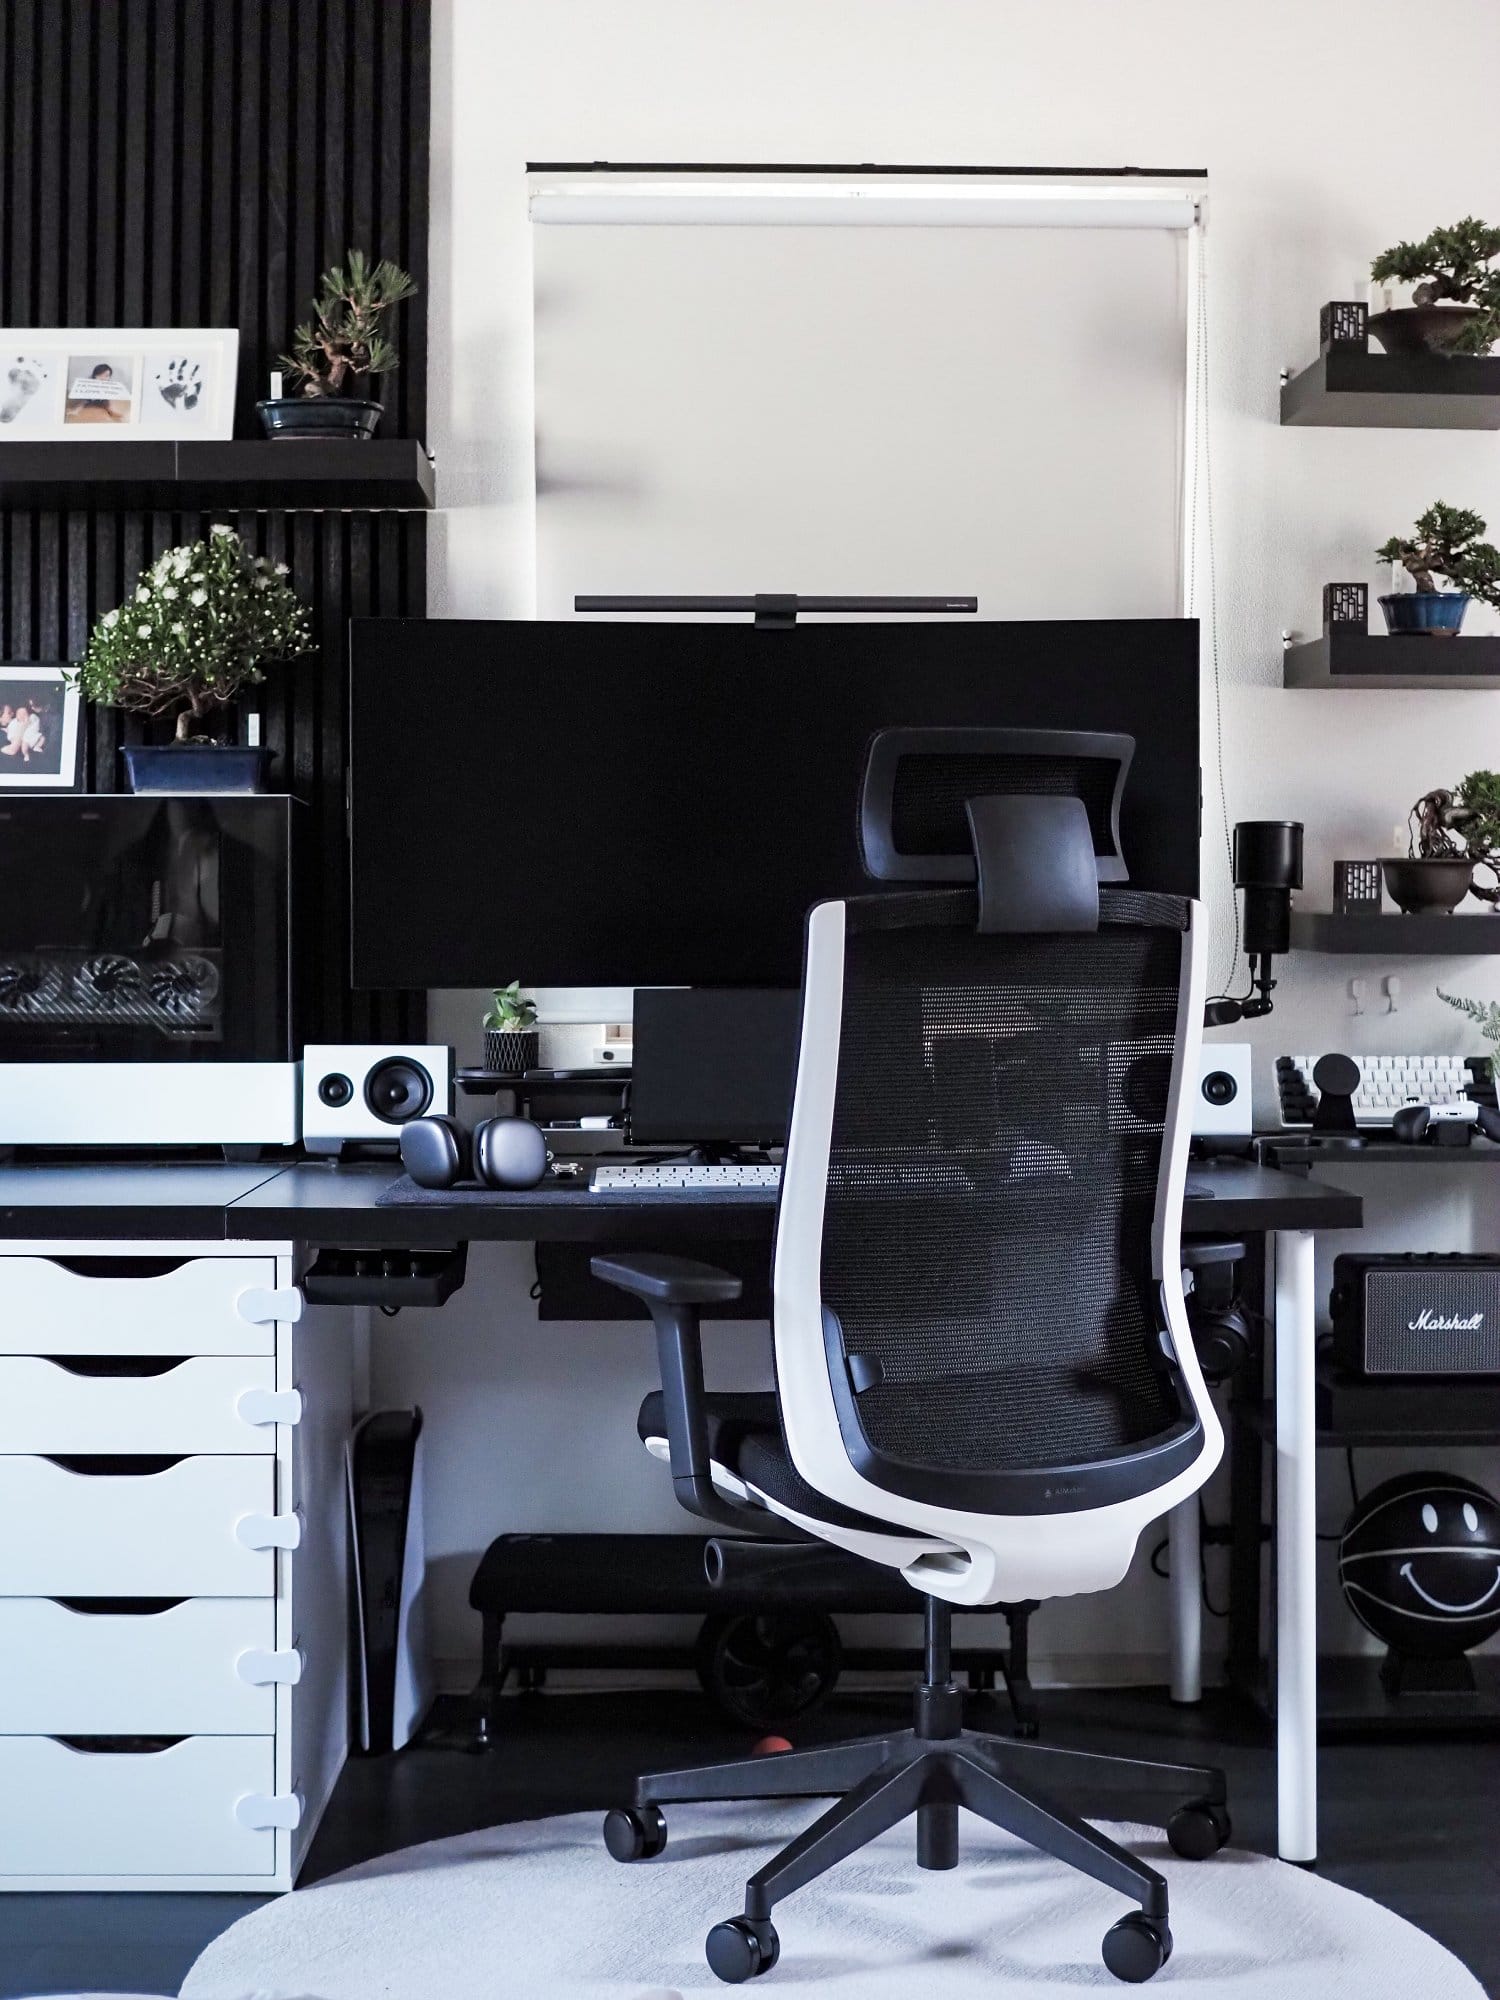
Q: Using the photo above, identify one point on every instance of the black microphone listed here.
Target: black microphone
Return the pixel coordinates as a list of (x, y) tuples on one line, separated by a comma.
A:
[(1267, 867)]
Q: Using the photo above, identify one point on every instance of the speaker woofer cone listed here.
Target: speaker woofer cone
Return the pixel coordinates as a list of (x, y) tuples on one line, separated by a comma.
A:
[(397, 1090)]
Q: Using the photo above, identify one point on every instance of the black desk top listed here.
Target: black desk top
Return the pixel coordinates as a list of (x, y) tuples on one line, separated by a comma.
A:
[(318, 1202)]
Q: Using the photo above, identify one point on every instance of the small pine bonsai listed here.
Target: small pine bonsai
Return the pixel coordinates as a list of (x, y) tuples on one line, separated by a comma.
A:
[(192, 633), (1458, 265), (1446, 544), (344, 343), (512, 1012)]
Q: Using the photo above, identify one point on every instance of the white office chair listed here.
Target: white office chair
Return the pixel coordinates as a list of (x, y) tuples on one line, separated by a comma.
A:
[(984, 1375)]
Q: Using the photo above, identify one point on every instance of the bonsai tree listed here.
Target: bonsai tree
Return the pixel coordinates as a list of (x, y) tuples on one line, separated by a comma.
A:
[(344, 342), (511, 1012), (194, 631), (1457, 265), (1463, 823), (1446, 544)]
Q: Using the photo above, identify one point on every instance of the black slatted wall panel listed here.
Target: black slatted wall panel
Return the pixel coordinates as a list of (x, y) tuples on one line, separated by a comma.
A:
[(198, 163)]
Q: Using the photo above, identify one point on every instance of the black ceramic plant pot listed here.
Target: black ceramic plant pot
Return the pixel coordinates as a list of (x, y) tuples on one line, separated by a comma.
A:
[(320, 416), (1427, 888), (1421, 329), (508, 1052), (194, 767)]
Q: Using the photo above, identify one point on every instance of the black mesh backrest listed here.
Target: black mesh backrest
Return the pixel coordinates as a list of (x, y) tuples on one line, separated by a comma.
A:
[(992, 1183), (930, 793)]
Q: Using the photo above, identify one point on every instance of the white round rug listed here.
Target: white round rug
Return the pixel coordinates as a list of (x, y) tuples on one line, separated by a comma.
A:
[(536, 1910)]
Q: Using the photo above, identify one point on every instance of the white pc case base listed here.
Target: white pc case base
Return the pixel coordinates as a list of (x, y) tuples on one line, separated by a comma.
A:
[(149, 1104)]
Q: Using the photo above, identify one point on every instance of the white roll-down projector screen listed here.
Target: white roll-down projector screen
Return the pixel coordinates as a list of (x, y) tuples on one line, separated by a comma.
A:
[(826, 386)]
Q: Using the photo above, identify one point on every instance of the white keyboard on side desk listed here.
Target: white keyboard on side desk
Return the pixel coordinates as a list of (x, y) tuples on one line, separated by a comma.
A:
[(1386, 1083), (679, 1176)]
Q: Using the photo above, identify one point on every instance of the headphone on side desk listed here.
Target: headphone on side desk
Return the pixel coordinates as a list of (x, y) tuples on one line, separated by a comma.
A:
[(503, 1153)]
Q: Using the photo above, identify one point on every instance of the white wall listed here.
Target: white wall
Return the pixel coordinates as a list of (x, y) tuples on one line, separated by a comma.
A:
[(1293, 109)]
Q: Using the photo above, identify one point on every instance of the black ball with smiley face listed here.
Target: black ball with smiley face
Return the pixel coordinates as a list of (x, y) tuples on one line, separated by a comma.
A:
[(1419, 1561)]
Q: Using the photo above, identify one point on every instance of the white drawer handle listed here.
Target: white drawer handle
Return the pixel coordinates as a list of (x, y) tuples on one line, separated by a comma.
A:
[(261, 1810), (264, 1669), (269, 1406), (269, 1531), (260, 1304)]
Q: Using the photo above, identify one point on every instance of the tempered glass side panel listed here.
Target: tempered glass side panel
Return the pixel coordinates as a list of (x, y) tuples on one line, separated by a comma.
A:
[(145, 929)]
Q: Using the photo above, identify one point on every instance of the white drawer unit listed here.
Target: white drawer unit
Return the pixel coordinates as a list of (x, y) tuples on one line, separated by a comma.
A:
[(188, 1530), (206, 1666), (179, 1810), (206, 1403), (173, 1564), (144, 1305)]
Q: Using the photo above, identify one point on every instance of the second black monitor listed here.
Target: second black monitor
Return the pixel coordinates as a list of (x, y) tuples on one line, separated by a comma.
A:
[(713, 1066)]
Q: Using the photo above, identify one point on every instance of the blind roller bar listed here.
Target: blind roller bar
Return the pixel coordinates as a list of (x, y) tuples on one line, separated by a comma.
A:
[(784, 204)]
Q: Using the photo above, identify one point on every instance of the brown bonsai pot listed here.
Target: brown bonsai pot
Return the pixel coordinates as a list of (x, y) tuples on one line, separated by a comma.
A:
[(1421, 329), (1427, 887)]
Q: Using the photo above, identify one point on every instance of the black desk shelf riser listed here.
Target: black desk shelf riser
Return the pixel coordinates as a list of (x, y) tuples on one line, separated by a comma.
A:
[(1349, 655), (1348, 387)]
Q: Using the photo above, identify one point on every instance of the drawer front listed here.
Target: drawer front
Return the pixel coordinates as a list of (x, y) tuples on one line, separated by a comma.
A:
[(184, 1670), (160, 1534), (113, 1305), (171, 1811), (195, 1405)]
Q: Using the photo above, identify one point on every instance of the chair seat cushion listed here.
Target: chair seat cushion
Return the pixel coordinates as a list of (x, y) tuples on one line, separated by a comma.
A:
[(744, 1436)]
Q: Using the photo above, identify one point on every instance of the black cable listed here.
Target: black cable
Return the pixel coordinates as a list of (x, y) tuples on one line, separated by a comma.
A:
[(1353, 1492), (1156, 1568), (391, 1312)]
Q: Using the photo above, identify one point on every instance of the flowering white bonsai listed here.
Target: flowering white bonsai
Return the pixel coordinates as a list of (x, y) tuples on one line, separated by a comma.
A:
[(194, 631)]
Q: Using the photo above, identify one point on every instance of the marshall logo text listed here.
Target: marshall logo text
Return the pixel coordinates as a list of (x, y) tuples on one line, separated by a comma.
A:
[(1427, 1321)]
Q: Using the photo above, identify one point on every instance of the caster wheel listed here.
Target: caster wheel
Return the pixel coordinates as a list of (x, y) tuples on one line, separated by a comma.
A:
[(1198, 1830), (635, 1833), (739, 1949), (1136, 1947)]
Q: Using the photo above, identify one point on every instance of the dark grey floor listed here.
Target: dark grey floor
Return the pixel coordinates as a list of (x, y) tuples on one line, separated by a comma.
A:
[(1414, 1824)]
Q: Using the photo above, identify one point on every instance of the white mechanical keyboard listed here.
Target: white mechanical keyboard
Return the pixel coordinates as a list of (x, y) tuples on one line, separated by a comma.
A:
[(1386, 1083), (675, 1176)]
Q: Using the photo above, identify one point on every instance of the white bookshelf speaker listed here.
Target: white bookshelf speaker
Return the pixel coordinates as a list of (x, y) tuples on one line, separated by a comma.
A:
[(360, 1094)]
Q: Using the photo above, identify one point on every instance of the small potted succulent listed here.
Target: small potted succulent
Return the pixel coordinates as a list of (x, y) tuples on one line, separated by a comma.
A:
[(198, 627), (1445, 543), (1455, 297), (1449, 835), (337, 352), (511, 1040)]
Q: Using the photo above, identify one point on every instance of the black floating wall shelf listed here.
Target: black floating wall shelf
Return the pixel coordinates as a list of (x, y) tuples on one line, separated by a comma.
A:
[(239, 475), (1349, 386), (1397, 935), (1348, 655)]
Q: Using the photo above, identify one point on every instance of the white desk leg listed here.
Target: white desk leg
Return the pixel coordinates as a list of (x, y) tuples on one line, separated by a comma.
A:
[(1187, 1602), (1296, 1552)]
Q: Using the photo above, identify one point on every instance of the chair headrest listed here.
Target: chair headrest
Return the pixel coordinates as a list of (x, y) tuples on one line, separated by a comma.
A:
[(1035, 860), (913, 823)]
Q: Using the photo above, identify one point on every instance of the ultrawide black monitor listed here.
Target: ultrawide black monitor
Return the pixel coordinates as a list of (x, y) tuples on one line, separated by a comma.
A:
[(574, 803)]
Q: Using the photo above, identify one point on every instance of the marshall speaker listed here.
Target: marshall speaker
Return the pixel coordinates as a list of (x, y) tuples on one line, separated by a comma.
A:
[(1416, 1315)]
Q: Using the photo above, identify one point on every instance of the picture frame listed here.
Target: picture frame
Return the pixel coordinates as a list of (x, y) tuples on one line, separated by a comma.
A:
[(95, 383), (41, 728)]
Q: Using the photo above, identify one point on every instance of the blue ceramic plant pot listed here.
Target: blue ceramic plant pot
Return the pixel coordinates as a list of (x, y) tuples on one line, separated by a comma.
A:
[(1439, 613), (194, 767)]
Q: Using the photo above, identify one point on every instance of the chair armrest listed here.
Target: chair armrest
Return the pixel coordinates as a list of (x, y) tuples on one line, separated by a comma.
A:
[(1199, 1253), (663, 1280), (672, 1289)]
